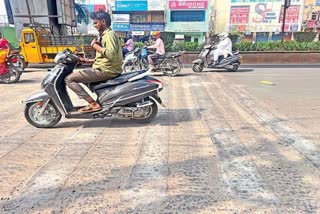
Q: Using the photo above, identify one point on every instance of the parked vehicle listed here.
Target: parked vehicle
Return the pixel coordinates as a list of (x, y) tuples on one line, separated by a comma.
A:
[(9, 72), (39, 45), (135, 61), (231, 63), (131, 95)]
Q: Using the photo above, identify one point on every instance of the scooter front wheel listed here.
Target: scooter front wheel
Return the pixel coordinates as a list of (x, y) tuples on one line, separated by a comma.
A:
[(50, 116), (197, 67), (14, 75)]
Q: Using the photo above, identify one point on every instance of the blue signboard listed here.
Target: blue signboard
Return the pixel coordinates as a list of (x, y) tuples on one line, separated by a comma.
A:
[(131, 5), (147, 27), (121, 27), (317, 2)]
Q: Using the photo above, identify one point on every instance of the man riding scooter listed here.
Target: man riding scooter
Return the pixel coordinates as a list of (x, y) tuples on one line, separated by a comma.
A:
[(106, 65), (224, 48)]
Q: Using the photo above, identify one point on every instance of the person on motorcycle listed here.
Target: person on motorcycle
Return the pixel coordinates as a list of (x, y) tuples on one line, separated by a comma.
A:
[(4, 44), (223, 48), (128, 46), (106, 65), (4, 50), (159, 49)]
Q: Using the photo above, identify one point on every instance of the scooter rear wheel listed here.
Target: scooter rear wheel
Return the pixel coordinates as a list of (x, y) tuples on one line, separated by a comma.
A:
[(50, 117), (197, 67), (234, 68), (151, 113)]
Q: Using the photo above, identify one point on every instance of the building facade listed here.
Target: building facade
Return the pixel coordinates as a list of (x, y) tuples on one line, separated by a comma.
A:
[(311, 16), (189, 20), (138, 17)]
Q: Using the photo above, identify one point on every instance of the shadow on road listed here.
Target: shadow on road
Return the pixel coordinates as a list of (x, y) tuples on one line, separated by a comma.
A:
[(29, 81), (176, 116), (225, 71)]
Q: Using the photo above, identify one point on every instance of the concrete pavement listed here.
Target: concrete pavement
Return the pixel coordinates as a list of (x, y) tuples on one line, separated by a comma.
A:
[(224, 144)]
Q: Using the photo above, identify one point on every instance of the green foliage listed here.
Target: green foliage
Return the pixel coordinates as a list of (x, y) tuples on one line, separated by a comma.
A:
[(186, 46), (277, 46), (138, 44), (234, 37), (304, 36), (168, 38)]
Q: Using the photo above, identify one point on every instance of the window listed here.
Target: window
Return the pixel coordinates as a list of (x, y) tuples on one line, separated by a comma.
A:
[(315, 16), (157, 17), (188, 16), (187, 38), (28, 37), (140, 17)]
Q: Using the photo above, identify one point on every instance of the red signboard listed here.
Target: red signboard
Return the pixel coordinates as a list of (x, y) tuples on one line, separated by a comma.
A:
[(292, 15), (239, 15), (182, 5), (96, 7)]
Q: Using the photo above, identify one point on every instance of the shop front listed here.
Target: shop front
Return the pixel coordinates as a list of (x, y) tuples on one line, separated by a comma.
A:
[(188, 19), (138, 18)]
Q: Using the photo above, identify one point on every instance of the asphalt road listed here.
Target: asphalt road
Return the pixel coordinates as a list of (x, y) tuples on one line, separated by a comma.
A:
[(225, 143)]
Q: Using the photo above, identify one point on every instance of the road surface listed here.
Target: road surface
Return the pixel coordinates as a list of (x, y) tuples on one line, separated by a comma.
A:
[(225, 143)]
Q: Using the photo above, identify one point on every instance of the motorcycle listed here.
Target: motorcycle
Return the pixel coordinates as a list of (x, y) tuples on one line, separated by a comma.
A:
[(131, 95), (134, 61), (230, 63), (17, 59), (169, 63), (9, 71)]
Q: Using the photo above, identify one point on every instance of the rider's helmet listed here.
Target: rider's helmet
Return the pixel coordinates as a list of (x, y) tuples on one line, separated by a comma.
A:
[(156, 34), (223, 36)]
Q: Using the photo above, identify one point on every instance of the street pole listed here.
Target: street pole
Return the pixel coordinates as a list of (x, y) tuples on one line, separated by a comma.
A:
[(29, 13), (285, 7)]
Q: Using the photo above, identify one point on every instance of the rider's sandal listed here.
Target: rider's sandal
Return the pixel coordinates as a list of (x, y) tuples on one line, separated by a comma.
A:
[(89, 109)]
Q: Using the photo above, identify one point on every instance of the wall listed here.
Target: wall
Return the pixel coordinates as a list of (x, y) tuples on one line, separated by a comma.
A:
[(266, 58), (221, 13), (10, 34)]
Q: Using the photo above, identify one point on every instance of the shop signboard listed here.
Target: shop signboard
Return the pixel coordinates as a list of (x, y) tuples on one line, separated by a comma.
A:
[(131, 5), (121, 27), (147, 27), (121, 18), (137, 33), (189, 4)]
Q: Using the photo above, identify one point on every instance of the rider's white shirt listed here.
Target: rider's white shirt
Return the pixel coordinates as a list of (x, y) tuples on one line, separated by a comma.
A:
[(225, 45)]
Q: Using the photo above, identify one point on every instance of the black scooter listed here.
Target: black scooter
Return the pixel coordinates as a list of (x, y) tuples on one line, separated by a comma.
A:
[(131, 95), (231, 63)]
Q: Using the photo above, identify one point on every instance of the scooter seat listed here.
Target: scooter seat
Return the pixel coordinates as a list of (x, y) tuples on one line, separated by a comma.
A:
[(115, 81), (170, 55)]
